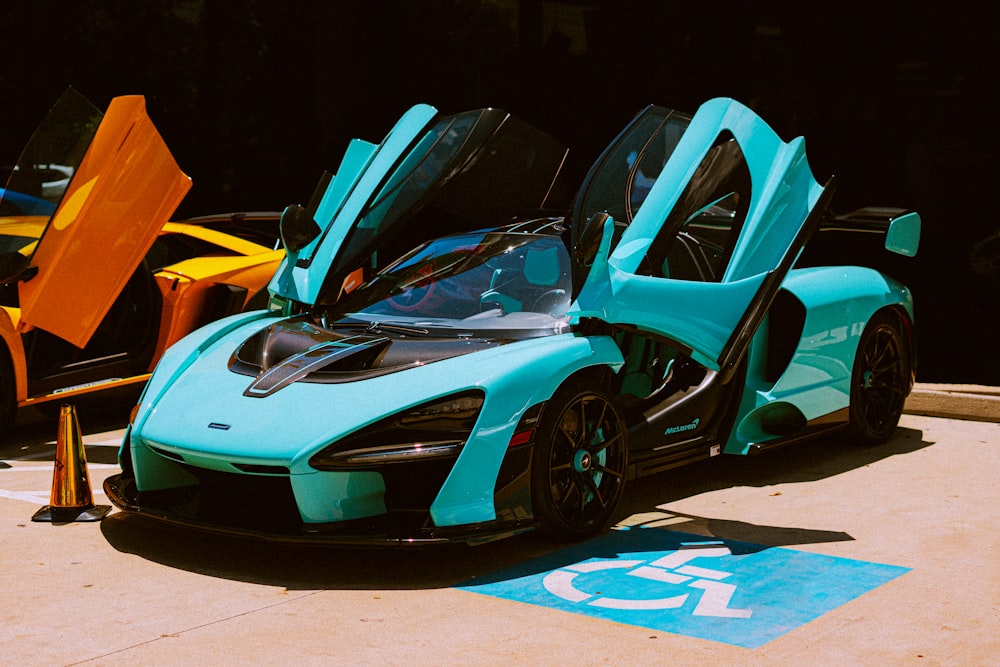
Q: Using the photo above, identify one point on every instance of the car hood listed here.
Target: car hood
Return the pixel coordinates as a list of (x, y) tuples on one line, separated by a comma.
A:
[(298, 350), (230, 425), (118, 186)]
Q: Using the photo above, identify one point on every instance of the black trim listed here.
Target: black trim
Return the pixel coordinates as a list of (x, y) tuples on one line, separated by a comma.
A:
[(732, 354), (361, 533)]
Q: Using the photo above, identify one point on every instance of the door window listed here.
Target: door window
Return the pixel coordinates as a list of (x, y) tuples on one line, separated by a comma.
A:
[(698, 236)]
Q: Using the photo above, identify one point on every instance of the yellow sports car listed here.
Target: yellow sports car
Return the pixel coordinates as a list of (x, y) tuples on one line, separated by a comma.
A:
[(96, 283)]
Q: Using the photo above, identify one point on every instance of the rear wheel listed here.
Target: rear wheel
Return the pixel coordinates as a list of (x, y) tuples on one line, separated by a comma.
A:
[(578, 470), (880, 381), (8, 393)]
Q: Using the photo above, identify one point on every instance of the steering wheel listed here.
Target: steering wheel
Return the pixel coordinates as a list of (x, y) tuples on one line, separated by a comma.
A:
[(419, 287), (551, 302)]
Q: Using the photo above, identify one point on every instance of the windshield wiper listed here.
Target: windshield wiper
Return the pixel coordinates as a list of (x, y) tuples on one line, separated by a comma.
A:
[(375, 327), (380, 327)]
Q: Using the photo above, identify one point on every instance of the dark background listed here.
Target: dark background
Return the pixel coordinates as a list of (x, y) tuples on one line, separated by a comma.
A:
[(256, 98)]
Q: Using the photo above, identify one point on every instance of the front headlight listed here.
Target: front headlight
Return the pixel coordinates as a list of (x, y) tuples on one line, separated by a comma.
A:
[(435, 430)]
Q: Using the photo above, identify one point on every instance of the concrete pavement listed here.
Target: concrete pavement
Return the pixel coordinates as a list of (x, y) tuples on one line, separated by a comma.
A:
[(130, 591), (955, 401)]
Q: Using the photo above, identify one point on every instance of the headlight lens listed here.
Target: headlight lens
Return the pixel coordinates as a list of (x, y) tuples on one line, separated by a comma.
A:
[(435, 430)]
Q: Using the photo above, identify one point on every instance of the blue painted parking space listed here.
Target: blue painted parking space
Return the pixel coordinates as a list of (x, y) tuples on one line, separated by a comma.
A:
[(721, 590)]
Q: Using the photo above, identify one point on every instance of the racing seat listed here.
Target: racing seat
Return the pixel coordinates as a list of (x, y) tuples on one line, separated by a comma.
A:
[(533, 287)]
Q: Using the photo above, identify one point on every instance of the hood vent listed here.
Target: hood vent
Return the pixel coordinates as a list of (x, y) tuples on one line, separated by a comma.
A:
[(299, 350), (348, 352)]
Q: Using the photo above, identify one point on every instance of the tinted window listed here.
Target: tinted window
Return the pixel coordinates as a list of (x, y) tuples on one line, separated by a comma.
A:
[(699, 234), (620, 182)]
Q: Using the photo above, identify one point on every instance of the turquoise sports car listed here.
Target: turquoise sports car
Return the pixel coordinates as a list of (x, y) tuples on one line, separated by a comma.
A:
[(516, 368)]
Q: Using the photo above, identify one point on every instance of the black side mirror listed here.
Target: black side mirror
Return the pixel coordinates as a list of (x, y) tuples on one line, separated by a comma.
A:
[(297, 228), (13, 267), (590, 240)]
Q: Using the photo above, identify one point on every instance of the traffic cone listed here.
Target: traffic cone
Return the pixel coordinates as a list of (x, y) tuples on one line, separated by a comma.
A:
[(71, 499)]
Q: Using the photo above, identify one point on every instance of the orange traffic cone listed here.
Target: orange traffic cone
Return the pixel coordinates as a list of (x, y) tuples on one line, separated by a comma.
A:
[(71, 499)]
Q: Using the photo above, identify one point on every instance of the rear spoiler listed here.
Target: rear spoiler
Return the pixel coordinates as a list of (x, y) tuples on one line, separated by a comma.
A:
[(901, 226)]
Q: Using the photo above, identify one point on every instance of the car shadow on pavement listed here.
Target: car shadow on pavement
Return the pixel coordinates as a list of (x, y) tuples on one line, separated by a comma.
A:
[(806, 461), (34, 436), (646, 501), (298, 566)]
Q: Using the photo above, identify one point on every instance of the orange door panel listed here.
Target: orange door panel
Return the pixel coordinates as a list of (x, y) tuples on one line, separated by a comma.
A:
[(125, 189)]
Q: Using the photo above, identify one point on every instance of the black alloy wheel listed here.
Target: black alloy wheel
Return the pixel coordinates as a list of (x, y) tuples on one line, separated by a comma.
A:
[(578, 469), (880, 381)]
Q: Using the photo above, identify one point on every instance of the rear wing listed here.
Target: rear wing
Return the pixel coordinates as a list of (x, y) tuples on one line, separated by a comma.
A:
[(901, 226)]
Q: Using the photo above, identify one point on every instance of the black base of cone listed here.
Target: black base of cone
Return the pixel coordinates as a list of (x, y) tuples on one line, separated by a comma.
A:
[(71, 514)]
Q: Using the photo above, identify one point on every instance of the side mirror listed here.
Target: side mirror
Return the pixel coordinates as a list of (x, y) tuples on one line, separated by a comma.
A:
[(298, 228), (903, 235), (590, 239), (13, 267)]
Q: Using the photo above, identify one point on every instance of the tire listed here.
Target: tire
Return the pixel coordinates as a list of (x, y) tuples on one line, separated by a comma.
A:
[(577, 474), (880, 381), (8, 393)]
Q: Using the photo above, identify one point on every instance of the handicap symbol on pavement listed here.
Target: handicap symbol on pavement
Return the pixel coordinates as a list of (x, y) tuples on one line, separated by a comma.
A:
[(671, 569), (718, 589)]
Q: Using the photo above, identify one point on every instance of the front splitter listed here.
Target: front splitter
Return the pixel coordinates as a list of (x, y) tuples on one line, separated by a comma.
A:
[(123, 494)]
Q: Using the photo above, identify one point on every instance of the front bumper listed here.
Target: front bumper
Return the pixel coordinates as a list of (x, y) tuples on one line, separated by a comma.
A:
[(182, 507)]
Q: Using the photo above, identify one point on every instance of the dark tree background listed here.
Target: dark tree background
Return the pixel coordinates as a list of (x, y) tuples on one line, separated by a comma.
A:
[(257, 97)]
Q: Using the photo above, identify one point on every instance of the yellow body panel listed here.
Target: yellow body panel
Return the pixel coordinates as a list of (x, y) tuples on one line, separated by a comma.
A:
[(185, 288), (234, 243), (27, 229), (118, 201), (9, 319)]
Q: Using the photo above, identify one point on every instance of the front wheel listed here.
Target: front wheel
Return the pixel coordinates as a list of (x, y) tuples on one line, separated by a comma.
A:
[(578, 470), (880, 381)]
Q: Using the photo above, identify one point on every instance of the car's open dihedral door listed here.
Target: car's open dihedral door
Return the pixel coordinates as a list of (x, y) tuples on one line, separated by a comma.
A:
[(476, 169), (713, 235), (125, 184)]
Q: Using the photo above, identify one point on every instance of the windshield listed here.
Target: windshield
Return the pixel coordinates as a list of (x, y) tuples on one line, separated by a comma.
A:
[(467, 284), (37, 183)]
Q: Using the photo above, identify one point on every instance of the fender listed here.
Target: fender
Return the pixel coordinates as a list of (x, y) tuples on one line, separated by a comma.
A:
[(186, 351), (816, 383), (467, 495), (9, 319)]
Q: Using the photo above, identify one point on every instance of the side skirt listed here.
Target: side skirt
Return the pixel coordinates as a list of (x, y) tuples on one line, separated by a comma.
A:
[(824, 425), (652, 461)]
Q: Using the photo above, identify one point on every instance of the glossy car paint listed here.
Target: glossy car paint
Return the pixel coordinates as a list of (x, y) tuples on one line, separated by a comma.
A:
[(226, 430), (703, 316), (838, 302), (119, 194), (362, 170), (68, 297), (185, 287)]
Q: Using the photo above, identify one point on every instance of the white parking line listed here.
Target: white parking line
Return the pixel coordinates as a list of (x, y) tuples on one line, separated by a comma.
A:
[(48, 453), (48, 468), (38, 497), (34, 497), (113, 442)]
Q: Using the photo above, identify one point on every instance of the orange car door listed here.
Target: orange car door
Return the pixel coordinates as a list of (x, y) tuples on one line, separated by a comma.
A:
[(126, 187)]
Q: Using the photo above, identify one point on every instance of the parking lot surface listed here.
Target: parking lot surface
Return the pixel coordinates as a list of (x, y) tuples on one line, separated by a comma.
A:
[(820, 553)]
